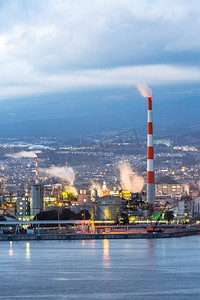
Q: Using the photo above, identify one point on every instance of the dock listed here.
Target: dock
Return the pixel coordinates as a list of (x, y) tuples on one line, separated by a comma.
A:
[(101, 236)]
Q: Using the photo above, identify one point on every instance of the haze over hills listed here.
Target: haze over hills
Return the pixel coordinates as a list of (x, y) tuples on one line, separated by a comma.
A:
[(112, 109), (69, 68)]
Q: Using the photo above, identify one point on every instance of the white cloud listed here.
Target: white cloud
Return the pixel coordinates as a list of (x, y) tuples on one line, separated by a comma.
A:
[(37, 83), (58, 45)]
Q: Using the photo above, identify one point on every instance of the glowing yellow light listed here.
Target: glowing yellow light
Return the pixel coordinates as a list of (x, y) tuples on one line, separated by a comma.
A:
[(106, 256), (10, 252), (28, 251)]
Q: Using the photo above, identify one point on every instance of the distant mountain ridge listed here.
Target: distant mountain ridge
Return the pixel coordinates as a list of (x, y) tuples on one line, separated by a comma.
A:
[(75, 113)]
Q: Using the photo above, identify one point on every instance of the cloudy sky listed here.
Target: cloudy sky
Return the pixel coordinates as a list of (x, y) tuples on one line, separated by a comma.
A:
[(49, 47)]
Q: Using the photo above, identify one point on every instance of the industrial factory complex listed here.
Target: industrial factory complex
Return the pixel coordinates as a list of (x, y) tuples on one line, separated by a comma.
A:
[(112, 194)]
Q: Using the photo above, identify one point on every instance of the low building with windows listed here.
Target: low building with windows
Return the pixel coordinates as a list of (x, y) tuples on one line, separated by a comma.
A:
[(22, 207), (170, 190)]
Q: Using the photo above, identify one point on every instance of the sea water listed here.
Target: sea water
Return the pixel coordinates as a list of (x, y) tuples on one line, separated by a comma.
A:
[(101, 269)]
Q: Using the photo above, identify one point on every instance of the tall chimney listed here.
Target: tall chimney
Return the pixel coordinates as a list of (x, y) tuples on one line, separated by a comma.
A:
[(150, 156), (36, 170)]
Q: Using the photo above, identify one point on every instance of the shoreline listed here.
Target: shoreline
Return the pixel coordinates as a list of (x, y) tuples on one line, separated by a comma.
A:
[(100, 236)]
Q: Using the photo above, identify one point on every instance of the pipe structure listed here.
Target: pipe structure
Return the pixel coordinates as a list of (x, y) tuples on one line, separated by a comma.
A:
[(150, 156), (36, 170)]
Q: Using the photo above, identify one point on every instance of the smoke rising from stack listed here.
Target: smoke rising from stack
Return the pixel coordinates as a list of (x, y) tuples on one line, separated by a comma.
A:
[(144, 90), (129, 179), (96, 186), (66, 174), (187, 189), (22, 154)]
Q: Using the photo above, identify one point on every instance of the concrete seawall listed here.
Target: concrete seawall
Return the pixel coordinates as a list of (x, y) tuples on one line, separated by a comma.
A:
[(89, 236)]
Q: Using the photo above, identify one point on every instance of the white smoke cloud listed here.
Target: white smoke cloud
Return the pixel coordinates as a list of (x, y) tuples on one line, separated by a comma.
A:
[(96, 186), (144, 90), (187, 188), (21, 154), (129, 179), (66, 174)]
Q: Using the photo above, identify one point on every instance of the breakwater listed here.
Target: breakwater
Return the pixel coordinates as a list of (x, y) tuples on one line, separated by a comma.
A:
[(90, 236)]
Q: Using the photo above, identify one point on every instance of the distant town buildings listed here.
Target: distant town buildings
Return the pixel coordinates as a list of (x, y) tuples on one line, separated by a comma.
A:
[(97, 177)]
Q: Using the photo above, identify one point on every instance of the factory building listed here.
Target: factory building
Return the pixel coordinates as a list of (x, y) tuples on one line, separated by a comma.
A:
[(184, 209), (10, 209), (197, 207), (175, 190), (107, 208), (36, 199), (83, 198), (22, 207)]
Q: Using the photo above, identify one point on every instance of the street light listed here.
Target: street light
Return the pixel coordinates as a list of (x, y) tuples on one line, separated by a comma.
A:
[(84, 200)]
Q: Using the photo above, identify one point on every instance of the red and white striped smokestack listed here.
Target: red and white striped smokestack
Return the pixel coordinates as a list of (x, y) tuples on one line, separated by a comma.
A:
[(150, 156), (36, 170)]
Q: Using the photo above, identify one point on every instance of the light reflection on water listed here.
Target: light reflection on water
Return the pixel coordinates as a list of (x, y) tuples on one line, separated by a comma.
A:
[(106, 257), (101, 269), (10, 251), (28, 252)]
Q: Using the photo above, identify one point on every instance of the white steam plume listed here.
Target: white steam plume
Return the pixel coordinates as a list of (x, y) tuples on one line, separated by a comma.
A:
[(21, 154), (66, 174), (187, 189), (130, 180), (144, 90), (96, 186)]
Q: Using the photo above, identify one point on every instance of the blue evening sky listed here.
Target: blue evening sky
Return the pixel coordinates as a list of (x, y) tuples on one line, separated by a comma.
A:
[(65, 59)]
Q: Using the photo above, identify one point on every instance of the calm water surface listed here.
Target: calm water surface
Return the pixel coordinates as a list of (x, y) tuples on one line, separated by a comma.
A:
[(107, 269)]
